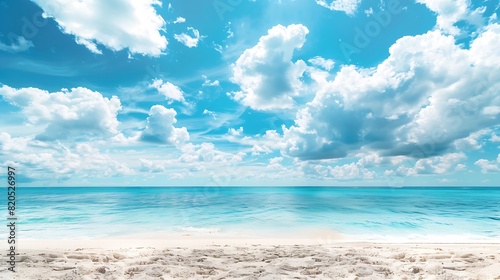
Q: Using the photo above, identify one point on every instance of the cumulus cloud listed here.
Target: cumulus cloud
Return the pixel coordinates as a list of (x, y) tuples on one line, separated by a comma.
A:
[(187, 40), (450, 12), (345, 172), (260, 149), (319, 61), (9, 144), (169, 90), (265, 143), (194, 160), (209, 83), (160, 127), (210, 113), (275, 160), (235, 132), (151, 166), (68, 113), (220, 165), (347, 6), (205, 152), (436, 165), (60, 162), (495, 138), (265, 73), (489, 166), (115, 24), (179, 20), (472, 142), (20, 44), (427, 94)]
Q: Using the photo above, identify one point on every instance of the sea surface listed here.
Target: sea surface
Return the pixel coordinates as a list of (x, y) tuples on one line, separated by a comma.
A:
[(449, 214)]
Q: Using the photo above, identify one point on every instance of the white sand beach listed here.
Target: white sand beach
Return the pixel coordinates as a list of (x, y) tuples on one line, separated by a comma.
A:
[(190, 257)]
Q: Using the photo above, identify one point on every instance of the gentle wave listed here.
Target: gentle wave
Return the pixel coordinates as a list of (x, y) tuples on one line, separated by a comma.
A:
[(373, 213)]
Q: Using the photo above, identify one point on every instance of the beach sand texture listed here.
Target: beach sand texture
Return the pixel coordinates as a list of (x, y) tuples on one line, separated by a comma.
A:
[(261, 260)]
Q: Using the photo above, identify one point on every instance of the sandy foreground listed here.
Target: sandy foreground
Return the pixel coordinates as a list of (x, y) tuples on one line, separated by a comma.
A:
[(198, 258)]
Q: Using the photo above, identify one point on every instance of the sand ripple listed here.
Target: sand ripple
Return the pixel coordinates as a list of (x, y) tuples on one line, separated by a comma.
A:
[(327, 261)]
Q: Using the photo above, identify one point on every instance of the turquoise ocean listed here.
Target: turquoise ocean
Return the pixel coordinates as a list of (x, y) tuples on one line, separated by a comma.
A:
[(381, 214)]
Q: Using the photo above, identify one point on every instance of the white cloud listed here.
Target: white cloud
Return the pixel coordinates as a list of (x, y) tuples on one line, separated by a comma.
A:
[(230, 33), (369, 12), (20, 45), (116, 24), (179, 20), (489, 166), (370, 159), (59, 162), (319, 61), (169, 90), (347, 6), (7, 143), (275, 160), (275, 165), (160, 127), (495, 138), (266, 143), (92, 161), (209, 83), (218, 48), (427, 94), (436, 165), (152, 166), (348, 171), (210, 113), (260, 149), (187, 40), (68, 113), (472, 141), (205, 152), (235, 132), (265, 73), (89, 45), (195, 160), (491, 110), (449, 12)]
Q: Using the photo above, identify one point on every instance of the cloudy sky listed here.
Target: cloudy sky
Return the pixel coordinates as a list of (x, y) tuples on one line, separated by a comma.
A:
[(242, 92)]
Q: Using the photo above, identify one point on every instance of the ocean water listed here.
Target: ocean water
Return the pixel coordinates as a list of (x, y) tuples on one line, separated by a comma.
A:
[(391, 214)]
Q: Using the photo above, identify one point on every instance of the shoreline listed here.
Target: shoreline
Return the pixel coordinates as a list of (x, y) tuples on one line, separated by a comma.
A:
[(123, 243), (169, 239)]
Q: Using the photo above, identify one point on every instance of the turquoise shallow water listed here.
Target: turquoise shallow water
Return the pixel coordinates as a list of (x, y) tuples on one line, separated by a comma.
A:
[(471, 214)]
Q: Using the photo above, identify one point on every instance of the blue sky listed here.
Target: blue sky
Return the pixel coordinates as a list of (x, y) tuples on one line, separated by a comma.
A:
[(260, 93)]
